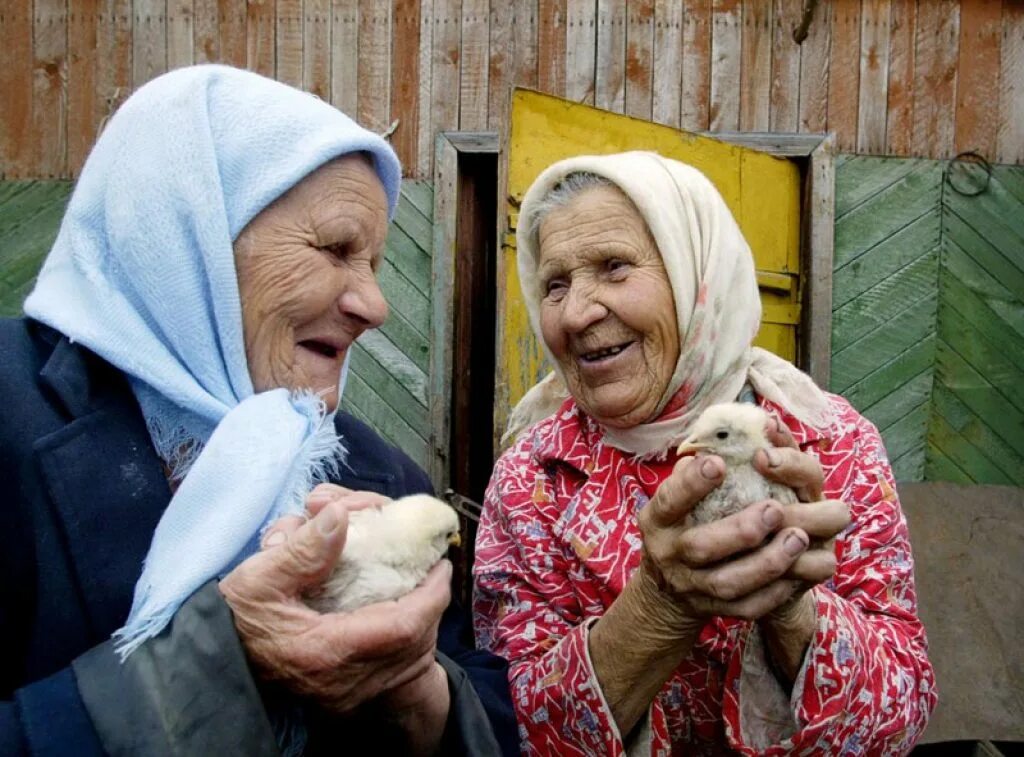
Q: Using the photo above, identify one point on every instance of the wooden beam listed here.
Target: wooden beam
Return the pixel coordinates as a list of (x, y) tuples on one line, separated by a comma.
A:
[(819, 210)]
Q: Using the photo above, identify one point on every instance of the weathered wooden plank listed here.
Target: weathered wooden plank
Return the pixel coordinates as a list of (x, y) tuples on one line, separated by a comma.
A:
[(397, 363), (726, 41), (32, 230), (858, 359), (405, 74), (205, 28), (382, 378), (877, 384), (551, 42), (425, 128), (970, 327), (420, 194), (610, 79), (903, 398), (231, 28), (884, 301), (345, 56), (18, 211), (983, 251), (844, 73), (1010, 140), (580, 50), (975, 391), (383, 418), (84, 111), (938, 467), (862, 177), (446, 39), (500, 66), (259, 36), (1011, 180), (16, 160), (473, 53), (874, 77), (980, 468), (965, 269), (695, 100), (316, 48), (404, 298), (639, 58), (898, 205), (374, 82), (415, 224), (149, 40), (784, 54), (904, 247), (907, 433), (899, 127), (408, 258), (180, 34), (975, 429), (989, 217), (814, 74), (524, 42), (977, 112), (11, 189), (49, 97), (405, 335), (938, 41), (910, 465), (288, 42), (668, 57), (757, 71)]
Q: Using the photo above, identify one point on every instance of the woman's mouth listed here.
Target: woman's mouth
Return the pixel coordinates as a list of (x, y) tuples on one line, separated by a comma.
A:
[(604, 354), (321, 348)]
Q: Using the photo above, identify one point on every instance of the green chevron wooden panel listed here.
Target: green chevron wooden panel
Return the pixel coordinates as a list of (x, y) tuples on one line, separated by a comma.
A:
[(387, 381), (928, 318)]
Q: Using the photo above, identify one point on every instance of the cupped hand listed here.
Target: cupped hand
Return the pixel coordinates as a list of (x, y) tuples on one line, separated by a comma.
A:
[(818, 518), (739, 566), (339, 659)]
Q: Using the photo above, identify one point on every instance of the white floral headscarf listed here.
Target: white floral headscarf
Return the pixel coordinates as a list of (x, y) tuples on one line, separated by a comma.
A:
[(714, 286)]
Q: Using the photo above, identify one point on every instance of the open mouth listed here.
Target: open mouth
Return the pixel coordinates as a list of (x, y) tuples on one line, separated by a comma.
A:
[(604, 353), (321, 348)]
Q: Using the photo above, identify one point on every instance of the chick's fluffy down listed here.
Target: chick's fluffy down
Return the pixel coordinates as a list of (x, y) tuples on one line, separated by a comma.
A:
[(388, 551)]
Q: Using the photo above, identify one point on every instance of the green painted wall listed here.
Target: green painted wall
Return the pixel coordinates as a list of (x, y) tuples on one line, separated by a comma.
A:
[(387, 381), (928, 319)]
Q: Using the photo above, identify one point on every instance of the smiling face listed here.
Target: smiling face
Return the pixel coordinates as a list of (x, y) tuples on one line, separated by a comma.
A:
[(307, 277), (607, 312)]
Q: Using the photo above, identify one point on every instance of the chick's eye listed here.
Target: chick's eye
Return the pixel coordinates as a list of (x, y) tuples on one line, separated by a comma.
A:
[(722, 435)]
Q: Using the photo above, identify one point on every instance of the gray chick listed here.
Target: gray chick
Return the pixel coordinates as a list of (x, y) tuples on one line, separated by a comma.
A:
[(733, 431)]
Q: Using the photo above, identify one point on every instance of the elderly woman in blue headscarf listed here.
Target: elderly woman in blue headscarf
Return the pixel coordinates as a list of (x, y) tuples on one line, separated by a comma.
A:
[(175, 476)]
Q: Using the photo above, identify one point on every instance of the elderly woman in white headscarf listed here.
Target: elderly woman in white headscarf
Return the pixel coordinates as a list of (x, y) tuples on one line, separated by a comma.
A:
[(629, 626), (172, 395)]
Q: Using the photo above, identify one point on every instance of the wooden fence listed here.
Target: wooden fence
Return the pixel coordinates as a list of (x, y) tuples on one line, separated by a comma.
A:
[(926, 78)]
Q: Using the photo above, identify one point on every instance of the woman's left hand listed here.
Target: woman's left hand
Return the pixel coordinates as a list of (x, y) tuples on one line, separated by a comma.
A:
[(790, 628)]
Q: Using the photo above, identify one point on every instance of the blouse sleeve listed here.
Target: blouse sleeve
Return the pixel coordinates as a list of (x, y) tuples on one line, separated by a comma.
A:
[(866, 683), (527, 610)]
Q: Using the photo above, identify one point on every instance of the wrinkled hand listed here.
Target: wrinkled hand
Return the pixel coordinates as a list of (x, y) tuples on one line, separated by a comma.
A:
[(747, 564), (818, 518), (339, 659)]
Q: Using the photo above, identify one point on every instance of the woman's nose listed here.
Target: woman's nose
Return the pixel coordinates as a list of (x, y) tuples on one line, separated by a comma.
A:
[(582, 309), (364, 302)]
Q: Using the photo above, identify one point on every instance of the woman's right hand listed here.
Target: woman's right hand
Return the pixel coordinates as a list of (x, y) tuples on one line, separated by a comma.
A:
[(339, 659), (726, 567)]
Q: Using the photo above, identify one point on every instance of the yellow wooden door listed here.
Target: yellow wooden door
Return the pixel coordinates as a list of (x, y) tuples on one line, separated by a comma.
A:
[(762, 191)]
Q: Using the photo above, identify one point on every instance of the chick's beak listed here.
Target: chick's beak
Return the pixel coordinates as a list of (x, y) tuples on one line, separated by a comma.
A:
[(455, 540), (690, 447)]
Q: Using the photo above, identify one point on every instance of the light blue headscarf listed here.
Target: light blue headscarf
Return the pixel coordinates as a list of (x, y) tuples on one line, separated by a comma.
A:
[(143, 274)]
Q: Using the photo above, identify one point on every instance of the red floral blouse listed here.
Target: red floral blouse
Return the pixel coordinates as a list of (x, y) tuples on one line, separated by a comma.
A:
[(558, 539)]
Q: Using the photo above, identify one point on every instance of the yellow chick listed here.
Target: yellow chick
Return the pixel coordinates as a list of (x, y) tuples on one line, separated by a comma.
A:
[(734, 431), (388, 551)]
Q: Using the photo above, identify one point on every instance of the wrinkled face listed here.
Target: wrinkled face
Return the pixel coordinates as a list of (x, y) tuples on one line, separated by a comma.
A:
[(307, 276), (607, 313)]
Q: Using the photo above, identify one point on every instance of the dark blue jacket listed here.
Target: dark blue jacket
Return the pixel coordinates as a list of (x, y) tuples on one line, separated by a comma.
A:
[(81, 491)]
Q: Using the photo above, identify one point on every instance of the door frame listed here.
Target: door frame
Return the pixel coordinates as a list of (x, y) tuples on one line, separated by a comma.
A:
[(813, 153)]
